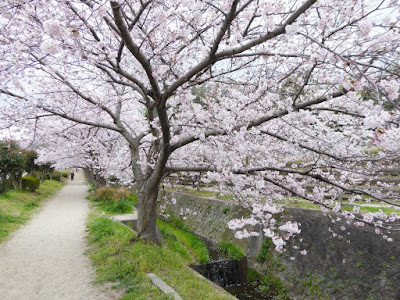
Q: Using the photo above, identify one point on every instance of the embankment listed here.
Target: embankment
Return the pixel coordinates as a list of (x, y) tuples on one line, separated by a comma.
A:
[(358, 265)]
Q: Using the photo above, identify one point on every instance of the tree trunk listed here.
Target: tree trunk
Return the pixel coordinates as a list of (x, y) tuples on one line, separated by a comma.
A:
[(3, 184), (147, 215)]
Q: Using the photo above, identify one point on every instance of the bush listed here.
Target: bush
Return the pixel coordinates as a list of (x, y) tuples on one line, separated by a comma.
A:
[(30, 183), (56, 175), (115, 200), (108, 194), (12, 164)]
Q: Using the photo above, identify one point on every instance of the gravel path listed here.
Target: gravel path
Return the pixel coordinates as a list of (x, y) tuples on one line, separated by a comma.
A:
[(45, 259)]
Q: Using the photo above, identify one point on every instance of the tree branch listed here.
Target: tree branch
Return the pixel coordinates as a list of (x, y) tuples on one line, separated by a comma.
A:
[(134, 49), (280, 113), (63, 115)]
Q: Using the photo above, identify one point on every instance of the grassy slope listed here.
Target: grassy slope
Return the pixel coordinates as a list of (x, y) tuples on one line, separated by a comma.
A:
[(118, 257), (16, 207)]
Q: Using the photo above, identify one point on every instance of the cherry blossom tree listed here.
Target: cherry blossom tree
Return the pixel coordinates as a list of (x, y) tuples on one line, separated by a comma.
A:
[(293, 96)]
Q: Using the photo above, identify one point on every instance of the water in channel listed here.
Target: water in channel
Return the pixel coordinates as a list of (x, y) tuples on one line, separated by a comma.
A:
[(230, 274)]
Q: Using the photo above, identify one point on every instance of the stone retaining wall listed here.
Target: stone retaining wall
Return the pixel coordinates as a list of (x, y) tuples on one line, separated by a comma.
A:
[(360, 265)]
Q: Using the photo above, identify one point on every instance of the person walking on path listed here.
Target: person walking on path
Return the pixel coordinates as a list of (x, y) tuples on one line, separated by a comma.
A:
[(45, 259), (72, 176)]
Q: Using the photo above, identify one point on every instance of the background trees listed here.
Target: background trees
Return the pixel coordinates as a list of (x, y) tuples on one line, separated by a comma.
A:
[(14, 162), (12, 165), (281, 86)]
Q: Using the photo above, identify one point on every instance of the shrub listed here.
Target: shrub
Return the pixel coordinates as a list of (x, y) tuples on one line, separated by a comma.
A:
[(108, 194), (12, 164), (115, 200), (30, 183), (56, 175)]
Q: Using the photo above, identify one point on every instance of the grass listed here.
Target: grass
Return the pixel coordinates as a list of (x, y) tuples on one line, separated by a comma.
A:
[(124, 206), (122, 259), (386, 210), (293, 202), (231, 250), (17, 207), (346, 207), (204, 193), (296, 202), (195, 245)]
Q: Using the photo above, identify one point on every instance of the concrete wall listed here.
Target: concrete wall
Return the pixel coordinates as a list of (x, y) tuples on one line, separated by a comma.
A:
[(361, 265), (206, 217)]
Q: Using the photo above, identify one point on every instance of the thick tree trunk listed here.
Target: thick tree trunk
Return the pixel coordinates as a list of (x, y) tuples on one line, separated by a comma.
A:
[(147, 215)]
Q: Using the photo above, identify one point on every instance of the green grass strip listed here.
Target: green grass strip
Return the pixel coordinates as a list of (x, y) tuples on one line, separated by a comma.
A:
[(120, 258), (195, 245), (17, 207)]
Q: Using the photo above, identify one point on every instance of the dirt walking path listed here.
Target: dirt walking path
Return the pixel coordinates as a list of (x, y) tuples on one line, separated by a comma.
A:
[(45, 259)]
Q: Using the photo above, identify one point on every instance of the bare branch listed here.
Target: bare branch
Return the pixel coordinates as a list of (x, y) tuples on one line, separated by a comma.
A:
[(134, 49)]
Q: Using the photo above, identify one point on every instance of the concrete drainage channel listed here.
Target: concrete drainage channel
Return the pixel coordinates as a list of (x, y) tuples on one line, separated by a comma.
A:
[(130, 221)]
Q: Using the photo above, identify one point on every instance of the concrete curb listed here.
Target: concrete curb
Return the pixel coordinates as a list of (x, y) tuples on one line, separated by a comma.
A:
[(125, 218), (165, 288)]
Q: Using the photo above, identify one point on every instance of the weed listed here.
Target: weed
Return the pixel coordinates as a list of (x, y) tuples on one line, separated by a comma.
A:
[(334, 273), (273, 285), (188, 239), (252, 275), (231, 250), (266, 251), (312, 283), (178, 223)]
